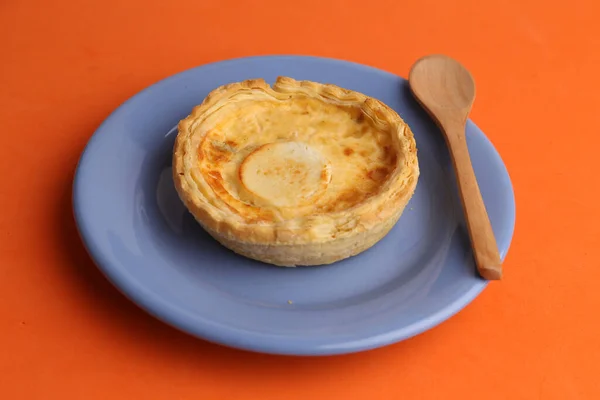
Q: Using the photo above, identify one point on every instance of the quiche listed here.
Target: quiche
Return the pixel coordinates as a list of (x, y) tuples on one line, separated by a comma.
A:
[(298, 173)]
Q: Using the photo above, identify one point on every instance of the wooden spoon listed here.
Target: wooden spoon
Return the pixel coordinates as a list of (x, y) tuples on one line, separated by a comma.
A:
[(446, 90)]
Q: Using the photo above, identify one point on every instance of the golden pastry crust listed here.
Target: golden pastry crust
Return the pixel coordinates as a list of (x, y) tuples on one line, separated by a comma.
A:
[(300, 173)]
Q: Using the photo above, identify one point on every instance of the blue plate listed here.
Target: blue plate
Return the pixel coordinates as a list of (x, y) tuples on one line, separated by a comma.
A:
[(139, 234)]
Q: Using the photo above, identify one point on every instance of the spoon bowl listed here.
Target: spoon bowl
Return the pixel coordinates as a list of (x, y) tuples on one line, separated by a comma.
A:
[(441, 72)]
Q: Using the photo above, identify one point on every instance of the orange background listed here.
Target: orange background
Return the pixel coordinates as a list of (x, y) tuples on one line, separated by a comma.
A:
[(65, 333)]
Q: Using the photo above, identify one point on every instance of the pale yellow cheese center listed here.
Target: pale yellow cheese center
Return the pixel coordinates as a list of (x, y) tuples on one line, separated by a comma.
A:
[(285, 173)]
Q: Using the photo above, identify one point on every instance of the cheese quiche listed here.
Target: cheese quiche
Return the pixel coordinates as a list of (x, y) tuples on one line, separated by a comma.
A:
[(298, 173)]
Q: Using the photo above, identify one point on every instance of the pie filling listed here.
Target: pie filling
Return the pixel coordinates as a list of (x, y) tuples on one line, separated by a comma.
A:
[(270, 160)]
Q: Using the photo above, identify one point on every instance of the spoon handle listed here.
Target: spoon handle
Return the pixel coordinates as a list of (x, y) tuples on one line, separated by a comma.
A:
[(481, 234)]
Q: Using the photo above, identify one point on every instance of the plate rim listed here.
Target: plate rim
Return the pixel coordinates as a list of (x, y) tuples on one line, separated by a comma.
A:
[(229, 336)]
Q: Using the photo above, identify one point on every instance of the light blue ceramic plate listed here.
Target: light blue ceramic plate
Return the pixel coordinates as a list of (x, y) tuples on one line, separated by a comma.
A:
[(139, 234)]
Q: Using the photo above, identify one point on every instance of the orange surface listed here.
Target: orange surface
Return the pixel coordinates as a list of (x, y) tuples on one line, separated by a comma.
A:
[(66, 333)]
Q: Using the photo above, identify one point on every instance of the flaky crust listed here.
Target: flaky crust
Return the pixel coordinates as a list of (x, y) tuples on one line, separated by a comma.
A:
[(315, 239)]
